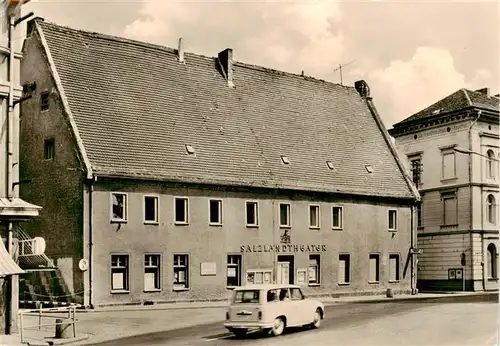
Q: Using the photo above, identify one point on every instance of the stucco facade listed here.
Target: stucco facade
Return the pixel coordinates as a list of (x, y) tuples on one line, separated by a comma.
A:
[(456, 218)]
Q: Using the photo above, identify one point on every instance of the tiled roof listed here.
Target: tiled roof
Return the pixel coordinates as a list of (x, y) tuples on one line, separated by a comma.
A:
[(136, 107), (460, 99)]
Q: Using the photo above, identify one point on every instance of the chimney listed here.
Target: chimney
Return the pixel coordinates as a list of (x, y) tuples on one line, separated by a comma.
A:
[(31, 24), (225, 59), (180, 51), (484, 91), (362, 88)]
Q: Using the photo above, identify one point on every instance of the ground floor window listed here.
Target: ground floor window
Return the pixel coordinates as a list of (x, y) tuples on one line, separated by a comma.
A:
[(181, 272), (259, 276), (344, 276), (233, 270), (119, 273), (394, 267), (314, 270), (492, 261), (374, 268), (152, 273)]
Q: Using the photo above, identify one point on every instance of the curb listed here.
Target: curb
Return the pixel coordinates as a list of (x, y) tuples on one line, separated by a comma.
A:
[(56, 342)]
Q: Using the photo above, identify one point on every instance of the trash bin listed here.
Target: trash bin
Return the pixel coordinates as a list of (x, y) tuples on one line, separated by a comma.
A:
[(389, 293), (64, 329)]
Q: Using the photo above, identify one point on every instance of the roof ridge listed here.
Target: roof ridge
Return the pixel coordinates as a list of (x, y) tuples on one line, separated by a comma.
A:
[(174, 51)]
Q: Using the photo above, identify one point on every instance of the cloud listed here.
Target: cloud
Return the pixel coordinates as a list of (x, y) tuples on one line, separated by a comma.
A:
[(290, 36), (406, 87)]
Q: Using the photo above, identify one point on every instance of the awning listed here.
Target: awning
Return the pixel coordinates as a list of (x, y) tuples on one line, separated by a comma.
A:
[(17, 209), (7, 264)]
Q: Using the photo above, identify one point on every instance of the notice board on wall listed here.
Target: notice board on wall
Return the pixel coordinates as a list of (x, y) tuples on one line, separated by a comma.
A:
[(208, 268)]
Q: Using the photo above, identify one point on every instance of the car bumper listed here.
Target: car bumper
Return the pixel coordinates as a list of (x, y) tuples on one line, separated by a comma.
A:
[(248, 325)]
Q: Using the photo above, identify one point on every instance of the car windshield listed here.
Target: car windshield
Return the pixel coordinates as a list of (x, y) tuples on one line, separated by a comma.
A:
[(249, 296)]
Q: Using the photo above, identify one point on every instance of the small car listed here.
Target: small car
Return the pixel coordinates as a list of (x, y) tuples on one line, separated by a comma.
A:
[(272, 308)]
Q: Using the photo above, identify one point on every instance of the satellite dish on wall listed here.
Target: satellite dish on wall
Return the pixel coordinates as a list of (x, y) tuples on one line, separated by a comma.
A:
[(38, 246), (83, 264)]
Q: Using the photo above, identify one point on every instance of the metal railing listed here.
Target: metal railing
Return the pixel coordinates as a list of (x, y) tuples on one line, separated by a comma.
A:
[(62, 315)]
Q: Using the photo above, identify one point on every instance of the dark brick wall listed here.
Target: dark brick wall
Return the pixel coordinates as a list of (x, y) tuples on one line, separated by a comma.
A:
[(56, 184)]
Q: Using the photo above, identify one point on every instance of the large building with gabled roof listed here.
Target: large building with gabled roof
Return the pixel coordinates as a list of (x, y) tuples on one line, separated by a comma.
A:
[(452, 151), (170, 176)]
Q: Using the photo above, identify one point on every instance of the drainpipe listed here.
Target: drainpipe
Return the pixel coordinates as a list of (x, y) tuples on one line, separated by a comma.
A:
[(91, 189), (470, 200), (412, 246), (10, 115)]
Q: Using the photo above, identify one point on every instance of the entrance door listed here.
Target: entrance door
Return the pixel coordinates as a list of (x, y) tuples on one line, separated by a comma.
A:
[(285, 270)]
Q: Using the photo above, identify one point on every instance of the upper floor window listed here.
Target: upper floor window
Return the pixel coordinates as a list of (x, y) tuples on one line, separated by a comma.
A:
[(449, 201), (448, 164), (490, 164), (419, 215), (118, 206), (44, 101), (181, 211), (252, 214), (150, 209), (285, 217), (49, 149), (215, 212), (491, 207), (416, 169), (337, 218), (393, 220), (314, 216)]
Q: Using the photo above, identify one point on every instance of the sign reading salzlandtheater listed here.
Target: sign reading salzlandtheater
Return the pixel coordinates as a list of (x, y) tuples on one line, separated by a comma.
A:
[(282, 248)]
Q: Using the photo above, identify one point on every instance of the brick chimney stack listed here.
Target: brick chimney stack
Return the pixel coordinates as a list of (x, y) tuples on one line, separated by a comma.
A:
[(362, 88), (225, 59)]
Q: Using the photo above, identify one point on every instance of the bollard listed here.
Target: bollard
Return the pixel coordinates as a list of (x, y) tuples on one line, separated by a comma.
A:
[(63, 329), (389, 293)]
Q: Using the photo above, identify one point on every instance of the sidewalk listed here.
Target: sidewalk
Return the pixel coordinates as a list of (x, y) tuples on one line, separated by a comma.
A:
[(110, 323)]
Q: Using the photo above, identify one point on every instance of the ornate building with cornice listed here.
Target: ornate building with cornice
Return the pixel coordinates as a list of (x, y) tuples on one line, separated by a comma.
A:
[(451, 149)]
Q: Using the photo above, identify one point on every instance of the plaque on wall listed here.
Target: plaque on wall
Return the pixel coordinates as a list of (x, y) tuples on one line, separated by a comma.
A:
[(301, 276), (208, 268)]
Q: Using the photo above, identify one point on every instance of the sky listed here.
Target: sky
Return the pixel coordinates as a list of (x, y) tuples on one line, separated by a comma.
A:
[(411, 53)]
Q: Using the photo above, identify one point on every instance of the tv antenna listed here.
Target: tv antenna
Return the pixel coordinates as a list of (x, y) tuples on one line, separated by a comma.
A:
[(340, 70)]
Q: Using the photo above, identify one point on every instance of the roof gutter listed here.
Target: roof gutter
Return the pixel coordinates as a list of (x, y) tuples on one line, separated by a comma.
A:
[(64, 100)]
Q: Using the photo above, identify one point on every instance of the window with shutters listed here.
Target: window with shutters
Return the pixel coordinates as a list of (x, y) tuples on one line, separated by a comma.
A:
[(449, 202), (374, 268), (344, 275), (393, 267)]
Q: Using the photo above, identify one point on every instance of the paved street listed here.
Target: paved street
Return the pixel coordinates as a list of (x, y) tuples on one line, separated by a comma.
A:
[(420, 322)]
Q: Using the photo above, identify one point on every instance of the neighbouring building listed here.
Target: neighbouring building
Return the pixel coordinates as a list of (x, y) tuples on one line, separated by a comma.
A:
[(13, 210), (452, 150), (170, 176)]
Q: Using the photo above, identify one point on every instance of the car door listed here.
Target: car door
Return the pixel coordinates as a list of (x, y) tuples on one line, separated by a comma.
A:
[(300, 306)]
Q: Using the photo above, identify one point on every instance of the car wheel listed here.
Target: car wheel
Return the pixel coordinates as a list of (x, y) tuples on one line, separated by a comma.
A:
[(316, 319), (239, 332), (278, 326)]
